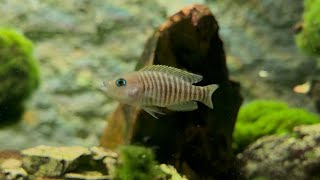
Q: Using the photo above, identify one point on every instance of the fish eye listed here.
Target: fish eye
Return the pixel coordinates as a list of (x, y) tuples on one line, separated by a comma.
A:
[(121, 82)]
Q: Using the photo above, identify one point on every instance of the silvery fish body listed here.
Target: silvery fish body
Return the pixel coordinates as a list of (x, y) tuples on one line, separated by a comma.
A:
[(160, 86)]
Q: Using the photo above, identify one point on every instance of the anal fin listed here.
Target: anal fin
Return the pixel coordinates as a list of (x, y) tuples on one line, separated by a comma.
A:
[(187, 106)]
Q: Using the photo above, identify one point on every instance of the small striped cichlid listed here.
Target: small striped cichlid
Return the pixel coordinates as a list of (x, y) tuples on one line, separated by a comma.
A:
[(160, 86)]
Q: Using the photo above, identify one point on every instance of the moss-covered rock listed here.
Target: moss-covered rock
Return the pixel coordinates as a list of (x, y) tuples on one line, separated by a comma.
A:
[(260, 118), (284, 157), (309, 38), (19, 74)]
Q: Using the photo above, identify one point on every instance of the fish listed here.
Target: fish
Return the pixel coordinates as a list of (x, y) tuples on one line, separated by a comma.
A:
[(159, 86)]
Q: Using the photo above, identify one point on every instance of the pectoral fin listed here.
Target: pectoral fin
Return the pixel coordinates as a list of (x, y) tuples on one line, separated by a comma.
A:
[(152, 110), (188, 106)]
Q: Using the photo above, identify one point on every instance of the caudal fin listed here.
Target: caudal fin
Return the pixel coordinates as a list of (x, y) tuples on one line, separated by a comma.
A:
[(209, 91)]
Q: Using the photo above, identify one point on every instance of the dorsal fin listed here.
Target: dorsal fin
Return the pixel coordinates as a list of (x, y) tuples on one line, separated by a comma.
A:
[(185, 75)]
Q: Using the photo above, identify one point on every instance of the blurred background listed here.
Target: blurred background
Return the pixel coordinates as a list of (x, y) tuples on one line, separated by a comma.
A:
[(78, 43)]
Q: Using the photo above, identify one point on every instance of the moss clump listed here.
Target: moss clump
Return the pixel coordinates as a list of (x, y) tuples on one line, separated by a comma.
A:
[(19, 75), (137, 163), (256, 109), (260, 118), (309, 38)]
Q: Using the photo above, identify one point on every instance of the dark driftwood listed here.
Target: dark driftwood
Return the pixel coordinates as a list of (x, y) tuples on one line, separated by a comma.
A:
[(314, 93), (198, 143)]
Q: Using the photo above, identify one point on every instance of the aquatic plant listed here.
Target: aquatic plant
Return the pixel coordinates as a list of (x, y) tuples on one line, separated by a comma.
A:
[(309, 38), (137, 163), (19, 74), (260, 118)]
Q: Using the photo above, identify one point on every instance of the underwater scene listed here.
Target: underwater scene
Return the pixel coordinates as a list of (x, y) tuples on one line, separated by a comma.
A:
[(160, 90)]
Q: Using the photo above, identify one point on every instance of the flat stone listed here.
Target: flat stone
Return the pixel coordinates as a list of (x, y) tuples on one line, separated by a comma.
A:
[(171, 172), (10, 164), (88, 175), (110, 164), (99, 153), (15, 173), (52, 161)]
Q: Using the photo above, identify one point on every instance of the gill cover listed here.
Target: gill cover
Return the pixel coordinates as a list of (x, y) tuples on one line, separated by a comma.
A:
[(126, 89)]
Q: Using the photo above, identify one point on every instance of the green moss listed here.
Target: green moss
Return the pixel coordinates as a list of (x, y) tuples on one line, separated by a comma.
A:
[(309, 38), (19, 75), (137, 163), (260, 118), (256, 109)]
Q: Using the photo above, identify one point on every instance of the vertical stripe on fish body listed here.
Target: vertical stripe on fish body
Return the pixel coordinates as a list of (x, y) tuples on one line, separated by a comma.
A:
[(170, 87)]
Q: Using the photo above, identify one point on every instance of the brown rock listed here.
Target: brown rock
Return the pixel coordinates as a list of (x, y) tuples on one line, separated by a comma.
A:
[(197, 143)]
